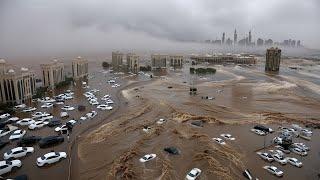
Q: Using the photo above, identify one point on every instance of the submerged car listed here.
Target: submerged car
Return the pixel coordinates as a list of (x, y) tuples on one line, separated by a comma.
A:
[(67, 108), (147, 157), (219, 141), (228, 137), (294, 161), (7, 166), (91, 114), (29, 109), (193, 174), (18, 152), (104, 107), (50, 141), (161, 121), (28, 140), (38, 124), (265, 156), (50, 158), (299, 151), (258, 132), (273, 170), (17, 134), (279, 158), (25, 122)]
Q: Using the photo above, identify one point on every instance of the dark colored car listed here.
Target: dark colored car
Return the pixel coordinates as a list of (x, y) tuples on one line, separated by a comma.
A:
[(28, 140), (50, 141), (263, 128), (172, 150), (3, 143), (54, 123), (21, 177)]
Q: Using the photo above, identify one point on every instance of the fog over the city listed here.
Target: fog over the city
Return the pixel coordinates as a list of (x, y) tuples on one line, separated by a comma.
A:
[(45, 27)]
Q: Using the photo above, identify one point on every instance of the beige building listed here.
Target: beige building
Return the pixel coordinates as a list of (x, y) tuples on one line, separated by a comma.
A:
[(225, 58), (16, 86), (133, 63), (117, 60), (273, 57), (53, 73), (159, 61), (176, 61), (79, 68)]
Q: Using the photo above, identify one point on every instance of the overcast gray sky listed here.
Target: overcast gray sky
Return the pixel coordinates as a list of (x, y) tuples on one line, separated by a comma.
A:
[(53, 26)]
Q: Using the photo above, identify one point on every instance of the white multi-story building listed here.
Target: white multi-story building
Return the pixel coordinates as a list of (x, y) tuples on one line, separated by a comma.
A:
[(79, 68), (16, 86), (133, 63), (53, 73), (159, 61)]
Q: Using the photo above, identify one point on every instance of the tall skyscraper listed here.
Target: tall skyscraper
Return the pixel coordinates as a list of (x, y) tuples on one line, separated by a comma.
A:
[(273, 57), (223, 38), (250, 37), (235, 37)]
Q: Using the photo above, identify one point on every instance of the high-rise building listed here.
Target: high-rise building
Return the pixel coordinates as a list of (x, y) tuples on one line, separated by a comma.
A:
[(250, 38), (176, 60), (298, 43), (16, 86), (223, 37), (53, 73), (229, 42), (260, 42), (273, 57), (79, 68), (235, 37), (268, 42), (158, 61), (117, 60), (133, 63)]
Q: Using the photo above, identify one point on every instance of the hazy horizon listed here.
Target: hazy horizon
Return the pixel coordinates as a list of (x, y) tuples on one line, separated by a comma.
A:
[(45, 28)]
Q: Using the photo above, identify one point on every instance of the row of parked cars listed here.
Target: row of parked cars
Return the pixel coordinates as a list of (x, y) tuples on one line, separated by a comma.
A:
[(284, 145)]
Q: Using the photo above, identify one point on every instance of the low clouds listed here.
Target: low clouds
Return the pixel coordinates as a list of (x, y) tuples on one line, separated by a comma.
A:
[(51, 27)]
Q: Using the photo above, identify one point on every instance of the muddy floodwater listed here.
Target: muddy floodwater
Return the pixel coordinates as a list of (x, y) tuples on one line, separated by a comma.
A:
[(239, 97)]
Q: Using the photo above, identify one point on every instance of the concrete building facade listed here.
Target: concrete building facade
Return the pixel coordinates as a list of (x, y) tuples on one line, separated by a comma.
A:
[(79, 68), (225, 58), (158, 61), (176, 60), (273, 57), (117, 60), (133, 62), (53, 73), (16, 87)]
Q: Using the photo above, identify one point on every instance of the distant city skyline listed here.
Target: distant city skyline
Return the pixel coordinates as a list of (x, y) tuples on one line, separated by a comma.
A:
[(249, 40)]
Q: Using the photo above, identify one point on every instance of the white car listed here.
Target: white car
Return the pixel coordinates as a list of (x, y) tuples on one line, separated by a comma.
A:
[(147, 157), (4, 132), (25, 122), (193, 174), (46, 118), (146, 129), (109, 101), (68, 97), (61, 128), (299, 151), (20, 106), (40, 114), (91, 114), (228, 137), (47, 105), (265, 156), (294, 161), (64, 114), (50, 158), (29, 109), (219, 140), (18, 152), (161, 121), (4, 116), (17, 134), (273, 170), (258, 132), (88, 94), (301, 146), (94, 102), (7, 166), (47, 100), (104, 107), (67, 108), (111, 81), (279, 158), (13, 119), (38, 124), (73, 122), (83, 118), (277, 152)]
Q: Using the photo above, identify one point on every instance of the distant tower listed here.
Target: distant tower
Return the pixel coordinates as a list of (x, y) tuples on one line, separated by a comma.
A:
[(273, 57), (223, 37), (250, 37), (235, 37)]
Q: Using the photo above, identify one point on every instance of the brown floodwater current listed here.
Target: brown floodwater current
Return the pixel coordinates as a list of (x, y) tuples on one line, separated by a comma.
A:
[(110, 145)]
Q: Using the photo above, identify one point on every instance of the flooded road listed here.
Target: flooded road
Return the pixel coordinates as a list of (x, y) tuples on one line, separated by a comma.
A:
[(110, 145)]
